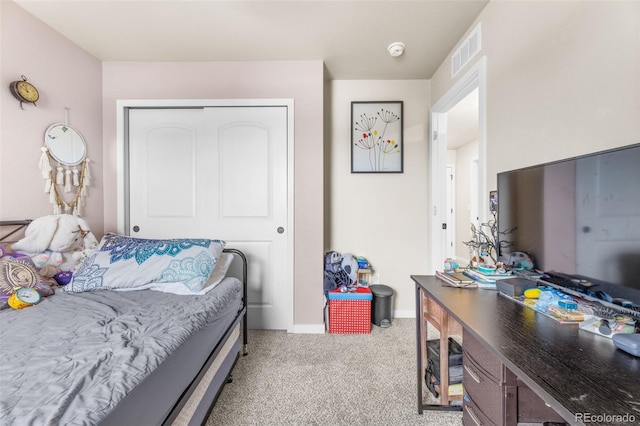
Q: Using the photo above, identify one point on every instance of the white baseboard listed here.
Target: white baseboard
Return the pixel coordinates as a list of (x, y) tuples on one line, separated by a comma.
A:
[(320, 328), (404, 314), (308, 329)]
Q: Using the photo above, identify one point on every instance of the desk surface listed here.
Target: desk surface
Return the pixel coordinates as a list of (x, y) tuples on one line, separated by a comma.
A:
[(573, 370)]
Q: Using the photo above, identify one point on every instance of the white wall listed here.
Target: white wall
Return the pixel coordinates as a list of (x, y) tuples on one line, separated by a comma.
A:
[(65, 76), (381, 216), (563, 79)]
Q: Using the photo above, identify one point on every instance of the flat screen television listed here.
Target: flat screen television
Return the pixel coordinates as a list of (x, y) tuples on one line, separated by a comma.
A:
[(579, 217)]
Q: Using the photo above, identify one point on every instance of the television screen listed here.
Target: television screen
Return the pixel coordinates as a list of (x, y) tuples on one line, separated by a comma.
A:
[(579, 216)]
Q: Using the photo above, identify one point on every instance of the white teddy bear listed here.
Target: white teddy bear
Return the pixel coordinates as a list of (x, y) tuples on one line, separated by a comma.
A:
[(56, 242)]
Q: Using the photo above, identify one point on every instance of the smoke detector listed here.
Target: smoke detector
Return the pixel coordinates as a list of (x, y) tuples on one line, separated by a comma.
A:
[(396, 49)]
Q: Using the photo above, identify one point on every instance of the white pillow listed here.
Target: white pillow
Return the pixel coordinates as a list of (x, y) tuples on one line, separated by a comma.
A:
[(123, 262), (217, 275), (220, 270)]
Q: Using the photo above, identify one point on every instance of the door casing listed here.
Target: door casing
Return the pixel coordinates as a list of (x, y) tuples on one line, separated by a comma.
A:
[(122, 107), (474, 78)]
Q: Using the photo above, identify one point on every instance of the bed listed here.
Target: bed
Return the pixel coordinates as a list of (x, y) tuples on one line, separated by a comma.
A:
[(142, 357)]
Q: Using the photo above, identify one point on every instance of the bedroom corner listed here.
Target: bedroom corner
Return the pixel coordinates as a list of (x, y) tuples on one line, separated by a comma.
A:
[(72, 89)]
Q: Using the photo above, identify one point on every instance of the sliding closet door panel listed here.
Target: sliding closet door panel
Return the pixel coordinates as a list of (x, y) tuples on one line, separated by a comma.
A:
[(251, 179), (217, 172), (166, 164), (244, 148), (170, 153)]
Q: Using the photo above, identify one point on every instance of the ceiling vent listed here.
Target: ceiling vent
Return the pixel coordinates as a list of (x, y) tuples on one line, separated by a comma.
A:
[(467, 50)]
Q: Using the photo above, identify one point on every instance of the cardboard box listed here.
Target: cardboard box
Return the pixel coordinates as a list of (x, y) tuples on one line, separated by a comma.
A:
[(350, 313)]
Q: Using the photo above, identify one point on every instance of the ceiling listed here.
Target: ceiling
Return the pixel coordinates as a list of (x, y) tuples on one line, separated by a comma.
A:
[(351, 37)]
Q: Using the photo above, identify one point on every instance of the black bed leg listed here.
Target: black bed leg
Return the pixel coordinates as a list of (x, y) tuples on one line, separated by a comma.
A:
[(245, 337)]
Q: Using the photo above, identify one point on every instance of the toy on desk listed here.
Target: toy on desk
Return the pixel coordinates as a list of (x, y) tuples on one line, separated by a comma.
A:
[(487, 269), (568, 304), (532, 293), (519, 259), (450, 264), (558, 304), (564, 314)]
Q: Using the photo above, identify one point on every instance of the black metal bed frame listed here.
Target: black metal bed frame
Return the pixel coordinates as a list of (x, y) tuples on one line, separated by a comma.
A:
[(19, 223)]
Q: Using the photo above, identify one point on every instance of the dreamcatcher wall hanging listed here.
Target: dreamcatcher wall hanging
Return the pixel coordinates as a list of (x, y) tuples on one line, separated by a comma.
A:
[(65, 168)]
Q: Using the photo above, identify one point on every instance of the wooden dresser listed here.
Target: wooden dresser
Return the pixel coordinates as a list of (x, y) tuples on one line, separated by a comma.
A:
[(523, 367)]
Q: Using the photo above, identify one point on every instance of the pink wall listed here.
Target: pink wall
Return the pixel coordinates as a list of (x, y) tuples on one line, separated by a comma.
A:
[(66, 76), (300, 80), (69, 77)]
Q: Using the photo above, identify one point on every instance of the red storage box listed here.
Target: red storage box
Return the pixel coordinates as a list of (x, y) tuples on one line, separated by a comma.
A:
[(350, 313)]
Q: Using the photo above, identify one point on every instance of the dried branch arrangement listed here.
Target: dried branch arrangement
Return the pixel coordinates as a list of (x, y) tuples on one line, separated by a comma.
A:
[(485, 241)]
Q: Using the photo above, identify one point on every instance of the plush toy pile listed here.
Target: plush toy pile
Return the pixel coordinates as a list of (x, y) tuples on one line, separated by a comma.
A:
[(56, 243), (51, 249), (340, 271)]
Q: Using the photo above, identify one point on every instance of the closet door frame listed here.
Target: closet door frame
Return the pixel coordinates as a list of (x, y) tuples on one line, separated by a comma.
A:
[(122, 107)]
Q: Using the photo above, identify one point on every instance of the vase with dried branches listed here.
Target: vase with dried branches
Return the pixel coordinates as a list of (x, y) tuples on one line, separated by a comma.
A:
[(486, 242)]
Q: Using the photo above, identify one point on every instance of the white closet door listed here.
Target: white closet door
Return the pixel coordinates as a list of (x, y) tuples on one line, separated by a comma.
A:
[(218, 172)]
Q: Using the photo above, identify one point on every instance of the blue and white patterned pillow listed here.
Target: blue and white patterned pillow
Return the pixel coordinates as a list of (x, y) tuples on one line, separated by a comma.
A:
[(128, 263)]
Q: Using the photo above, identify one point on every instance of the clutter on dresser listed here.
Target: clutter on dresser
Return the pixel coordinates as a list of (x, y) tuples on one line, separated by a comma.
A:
[(590, 314), (456, 279)]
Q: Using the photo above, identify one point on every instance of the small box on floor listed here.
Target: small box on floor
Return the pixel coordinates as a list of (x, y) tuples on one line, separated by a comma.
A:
[(350, 313)]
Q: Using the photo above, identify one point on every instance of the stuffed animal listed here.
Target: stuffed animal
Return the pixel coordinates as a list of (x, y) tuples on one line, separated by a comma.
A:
[(520, 259), (56, 243), (340, 272)]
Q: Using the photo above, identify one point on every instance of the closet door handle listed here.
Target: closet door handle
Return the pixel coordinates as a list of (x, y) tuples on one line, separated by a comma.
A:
[(472, 373)]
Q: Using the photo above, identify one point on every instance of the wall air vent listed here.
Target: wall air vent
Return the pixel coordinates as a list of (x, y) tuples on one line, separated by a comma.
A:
[(466, 51)]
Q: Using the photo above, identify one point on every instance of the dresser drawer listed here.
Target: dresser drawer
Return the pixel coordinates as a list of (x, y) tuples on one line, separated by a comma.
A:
[(484, 391), (472, 416), (532, 408), (476, 351)]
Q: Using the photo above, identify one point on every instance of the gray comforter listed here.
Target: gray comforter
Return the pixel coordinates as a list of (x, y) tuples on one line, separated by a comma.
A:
[(70, 359)]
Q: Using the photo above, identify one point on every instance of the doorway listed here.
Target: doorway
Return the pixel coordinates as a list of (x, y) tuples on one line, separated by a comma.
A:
[(447, 147)]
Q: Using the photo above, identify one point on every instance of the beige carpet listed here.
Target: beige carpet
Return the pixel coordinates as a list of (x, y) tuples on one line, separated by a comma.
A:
[(330, 379)]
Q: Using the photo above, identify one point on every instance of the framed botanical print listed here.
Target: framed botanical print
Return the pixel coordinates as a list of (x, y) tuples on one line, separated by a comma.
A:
[(376, 137)]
